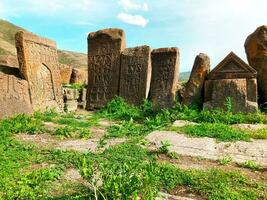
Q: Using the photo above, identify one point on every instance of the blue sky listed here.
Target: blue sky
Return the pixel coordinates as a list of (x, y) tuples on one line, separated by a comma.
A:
[(215, 27)]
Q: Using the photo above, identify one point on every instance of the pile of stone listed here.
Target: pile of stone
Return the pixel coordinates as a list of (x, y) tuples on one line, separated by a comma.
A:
[(33, 81)]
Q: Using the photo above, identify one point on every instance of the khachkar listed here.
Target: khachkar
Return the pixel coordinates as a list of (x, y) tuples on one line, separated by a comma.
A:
[(232, 84), (165, 70), (39, 65), (104, 49), (135, 74), (14, 93)]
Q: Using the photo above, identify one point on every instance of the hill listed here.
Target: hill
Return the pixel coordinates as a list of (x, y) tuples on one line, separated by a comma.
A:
[(7, 46)]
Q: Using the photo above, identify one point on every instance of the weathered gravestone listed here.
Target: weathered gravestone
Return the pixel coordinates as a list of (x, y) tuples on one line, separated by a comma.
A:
[(135, 74), (165, 70), (232, 84), (104, 49), (14, 93), (79, 76), (256, 49), (39, 65), (193, 93), (65, 73)]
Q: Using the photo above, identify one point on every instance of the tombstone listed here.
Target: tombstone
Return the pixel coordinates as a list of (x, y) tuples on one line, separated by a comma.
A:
[(135, 74), (232, 80), (39, 65), (79, 76), (165, 72), (65, 73), (256, 50), (193, 93), (14, 93), (104, 49)]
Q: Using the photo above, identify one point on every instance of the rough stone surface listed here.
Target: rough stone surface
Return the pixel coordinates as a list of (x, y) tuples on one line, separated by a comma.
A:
[(39, 65), (71, 105), (65, 73), (70, 94), (194, 90), (135, 74), (233, 79), (250, 127), (182, 123), (165, 196), (256, 49), (165, 71), (9, 60), (14, 95), (104, 49), (79, 76), (209, 148)]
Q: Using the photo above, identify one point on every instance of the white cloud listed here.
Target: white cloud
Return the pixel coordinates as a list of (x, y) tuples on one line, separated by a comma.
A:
[(138, 20), (130, 5)]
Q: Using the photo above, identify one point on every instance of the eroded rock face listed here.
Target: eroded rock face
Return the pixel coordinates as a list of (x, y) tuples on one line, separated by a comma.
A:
[(9, 60), (256, 49), (135, 74), (39, 65), (104, 49), (65, 73), (232, 82), (165, 71), (14, 94), (79, 76), (193, 92)]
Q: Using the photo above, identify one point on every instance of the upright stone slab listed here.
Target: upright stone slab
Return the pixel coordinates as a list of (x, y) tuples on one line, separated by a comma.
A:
[(233, 79), (256, 49), (135, 74), (14, 93), (39, 65), (104, 49), (79, 76), (193, 93), (65, 73), (165, 71)]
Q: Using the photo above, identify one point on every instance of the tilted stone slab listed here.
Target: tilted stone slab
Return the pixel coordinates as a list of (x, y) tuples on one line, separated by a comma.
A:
[(135, 74), (256, 50), (39, 65), (104, 49), (165, 71), (14, 95), (193, 93)]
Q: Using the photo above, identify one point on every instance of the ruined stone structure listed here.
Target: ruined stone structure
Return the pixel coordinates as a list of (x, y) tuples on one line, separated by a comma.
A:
[(39, 66), (256, 49), (165, 70), (70, 99), (65, 73), (233, 79), (9, 60), (194, 90), (104, 49), (14, 93), (135, 74), (79, 76)]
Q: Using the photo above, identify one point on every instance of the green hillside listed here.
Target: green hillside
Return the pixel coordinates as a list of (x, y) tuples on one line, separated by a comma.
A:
[(7, 46)]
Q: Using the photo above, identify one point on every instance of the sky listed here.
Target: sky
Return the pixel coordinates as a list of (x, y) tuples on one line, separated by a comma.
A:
[(214, 27)]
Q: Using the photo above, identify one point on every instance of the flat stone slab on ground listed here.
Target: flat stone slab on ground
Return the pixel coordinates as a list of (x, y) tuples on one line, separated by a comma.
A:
[(250, 127), (209, 148), (182, 123)]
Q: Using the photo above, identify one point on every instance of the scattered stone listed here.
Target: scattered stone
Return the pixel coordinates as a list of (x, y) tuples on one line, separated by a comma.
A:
[(165, 65), (73, 175), (182, 123), (194, 90), (135, 74), (104, 49), (14, 94), (39, 65), (71, 97), (209, 148), (232, 80), (65, 73), (79, 76), (256, 49), (165, 196), (250, 127)]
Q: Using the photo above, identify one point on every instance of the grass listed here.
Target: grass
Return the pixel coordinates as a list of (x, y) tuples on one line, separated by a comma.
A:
[(251, 165), (125, 171)]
